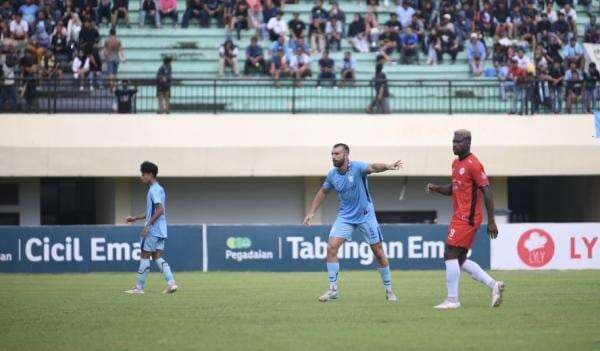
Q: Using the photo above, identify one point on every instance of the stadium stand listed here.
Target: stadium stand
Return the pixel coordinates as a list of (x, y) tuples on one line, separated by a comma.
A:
[(419, 87)]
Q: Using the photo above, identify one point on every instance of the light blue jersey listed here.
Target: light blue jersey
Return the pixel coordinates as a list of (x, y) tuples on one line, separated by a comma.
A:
[(156, 195), (356, 210), (352, 187)]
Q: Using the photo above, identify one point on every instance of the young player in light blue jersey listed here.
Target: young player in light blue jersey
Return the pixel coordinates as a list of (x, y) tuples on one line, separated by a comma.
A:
[(356, 212), (154, 234)]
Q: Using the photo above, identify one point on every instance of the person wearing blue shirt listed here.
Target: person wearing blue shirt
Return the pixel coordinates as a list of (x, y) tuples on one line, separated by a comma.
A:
[(29, 11), (255, 61), (476, 55), (573, 52), (280, 45), (154, 234), (356, 212), (410, 46), (348, 69), (326, 70)]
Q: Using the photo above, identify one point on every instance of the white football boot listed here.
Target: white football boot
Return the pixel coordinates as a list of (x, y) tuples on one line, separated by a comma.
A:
[(134, 291), (447, 305), (497, 292), (170, 289), (390, 296), (331, 294)]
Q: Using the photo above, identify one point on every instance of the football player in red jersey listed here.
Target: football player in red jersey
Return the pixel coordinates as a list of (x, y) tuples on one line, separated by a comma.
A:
[(470, 187)]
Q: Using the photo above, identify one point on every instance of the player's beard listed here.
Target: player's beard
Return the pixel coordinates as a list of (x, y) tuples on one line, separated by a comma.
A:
[(339, 163)]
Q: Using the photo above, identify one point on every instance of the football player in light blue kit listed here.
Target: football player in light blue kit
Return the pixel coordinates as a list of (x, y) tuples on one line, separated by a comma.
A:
[(154, 234), (356, 212)]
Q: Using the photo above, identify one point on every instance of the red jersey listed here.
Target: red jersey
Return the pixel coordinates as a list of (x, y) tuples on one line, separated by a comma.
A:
[(468, 177)]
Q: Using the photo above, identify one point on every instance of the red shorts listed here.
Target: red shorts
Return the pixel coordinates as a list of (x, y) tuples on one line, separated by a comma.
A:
[(461, 234)]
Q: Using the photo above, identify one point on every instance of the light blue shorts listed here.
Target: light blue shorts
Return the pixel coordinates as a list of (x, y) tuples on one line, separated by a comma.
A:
[(151, 243), (369, 229)]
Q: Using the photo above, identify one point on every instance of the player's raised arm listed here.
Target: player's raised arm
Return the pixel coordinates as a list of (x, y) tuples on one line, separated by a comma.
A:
[(382, 167), (440, 189), (488, 197), (314, 206)]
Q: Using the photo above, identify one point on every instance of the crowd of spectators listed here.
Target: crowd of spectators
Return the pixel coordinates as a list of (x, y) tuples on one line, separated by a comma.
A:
[(42, 41)]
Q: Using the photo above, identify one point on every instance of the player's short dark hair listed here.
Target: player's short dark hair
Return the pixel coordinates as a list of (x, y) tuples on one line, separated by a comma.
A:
[(343, 146), (149, 167)]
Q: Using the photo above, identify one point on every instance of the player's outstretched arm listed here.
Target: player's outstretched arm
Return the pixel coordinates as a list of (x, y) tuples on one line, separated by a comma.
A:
[(314, 206), (488, 197), (382, 167), (440, 189), (131, 219)]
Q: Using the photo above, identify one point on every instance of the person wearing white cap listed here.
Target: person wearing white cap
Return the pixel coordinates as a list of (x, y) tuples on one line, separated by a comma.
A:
[(475, 55)]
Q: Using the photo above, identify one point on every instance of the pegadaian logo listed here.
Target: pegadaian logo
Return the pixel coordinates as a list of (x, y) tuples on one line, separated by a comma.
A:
[(238, 243)]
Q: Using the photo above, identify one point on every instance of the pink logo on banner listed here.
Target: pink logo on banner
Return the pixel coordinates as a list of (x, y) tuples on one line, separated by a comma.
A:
[(535, 248)]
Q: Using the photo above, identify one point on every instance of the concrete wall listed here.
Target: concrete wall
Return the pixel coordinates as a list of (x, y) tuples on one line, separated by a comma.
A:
[(288, 146), (29, 200)]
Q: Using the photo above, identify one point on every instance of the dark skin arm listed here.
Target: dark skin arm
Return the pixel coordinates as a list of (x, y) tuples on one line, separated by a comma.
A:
[(488, 198), (445, 190)]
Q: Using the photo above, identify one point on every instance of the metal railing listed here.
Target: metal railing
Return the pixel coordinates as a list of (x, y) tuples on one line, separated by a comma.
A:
[(243, 95)]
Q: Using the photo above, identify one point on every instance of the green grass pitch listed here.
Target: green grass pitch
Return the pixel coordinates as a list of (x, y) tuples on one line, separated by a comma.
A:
[(279, 311)]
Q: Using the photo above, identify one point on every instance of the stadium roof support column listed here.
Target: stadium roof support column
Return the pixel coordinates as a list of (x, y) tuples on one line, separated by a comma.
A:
[(123, 199), (500, 188)]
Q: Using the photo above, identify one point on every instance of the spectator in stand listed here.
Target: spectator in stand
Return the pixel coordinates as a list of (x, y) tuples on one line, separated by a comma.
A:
[(543, 28), (195, 9), (570, 16), (125, 97), (73, 29), (254, 11), (476, 55), (541, 91), (387, 44), (59, 46), (527, 31), (277, 26), (29, 72), (89, 37), (279, 67), (591, 80), (348, 71), (269, 11), (573, 68), (550, 13), (239, 21), (7, 10), (255, 61), (300, 66), (372, 29), (216, 9), (40, 35), (333, 34), (81, 68), (49, 66), (557, 76), (590, 30), (300, 44), (506, 83), (316, 30), (573, 52), (228, 53), (433, 43), (148, 12), (519, 78), (19, 30), (448, 45), (338, 14), (103, 12), (410, 47), (8, 87), (405, 13), (113, 56), (167, 8), (297, 26), (561, 27), (574, 90), (326, 70), (163, 86), (418, 27), (95, 69), (120, 10), (357, 34), (380, 103), (522, 60), (395, 29), (29, 11), (279, 45)]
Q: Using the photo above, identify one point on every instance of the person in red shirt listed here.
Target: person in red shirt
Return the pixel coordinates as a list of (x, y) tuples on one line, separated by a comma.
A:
[(470, 187)]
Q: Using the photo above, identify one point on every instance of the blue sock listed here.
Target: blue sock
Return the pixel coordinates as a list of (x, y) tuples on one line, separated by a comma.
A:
[(333, 268), (142, 273), (386, 276), (166, 270)]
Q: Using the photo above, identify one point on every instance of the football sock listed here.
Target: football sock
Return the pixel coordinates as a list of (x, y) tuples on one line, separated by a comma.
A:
[(333, 269), (452, 279), (142, 273), (386, 276), (166, 270), (478, 273)]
